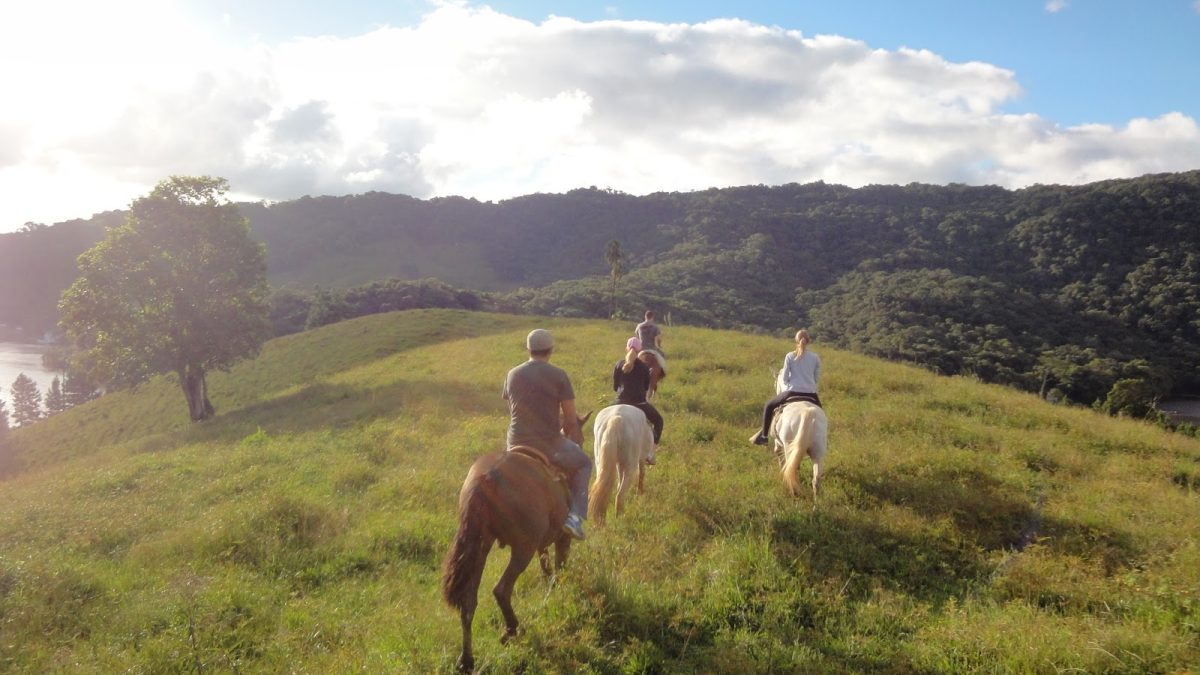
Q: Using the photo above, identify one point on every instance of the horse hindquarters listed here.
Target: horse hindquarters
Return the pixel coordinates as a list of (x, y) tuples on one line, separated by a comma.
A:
[(608, 446), (800, 445)]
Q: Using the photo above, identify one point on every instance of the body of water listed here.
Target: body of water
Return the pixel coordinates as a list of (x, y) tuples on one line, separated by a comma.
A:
[(17, 358)]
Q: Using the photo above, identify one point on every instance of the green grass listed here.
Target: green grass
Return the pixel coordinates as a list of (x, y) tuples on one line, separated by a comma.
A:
[(302, 529)]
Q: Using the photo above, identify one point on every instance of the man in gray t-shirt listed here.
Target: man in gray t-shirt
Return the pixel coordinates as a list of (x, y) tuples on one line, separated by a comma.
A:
[(534, 391), (649, 333), (537, 393)]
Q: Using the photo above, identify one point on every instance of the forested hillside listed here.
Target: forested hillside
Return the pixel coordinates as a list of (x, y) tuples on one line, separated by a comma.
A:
[(1089, 293), (36, 265)]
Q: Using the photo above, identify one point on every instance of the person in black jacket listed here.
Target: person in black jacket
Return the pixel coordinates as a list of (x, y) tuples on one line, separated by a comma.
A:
[(631, 381)]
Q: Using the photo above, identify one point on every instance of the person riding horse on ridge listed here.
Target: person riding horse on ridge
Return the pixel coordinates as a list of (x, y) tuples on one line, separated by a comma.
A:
[(631, 381), (537, 393), (649, 334), (801, 370)]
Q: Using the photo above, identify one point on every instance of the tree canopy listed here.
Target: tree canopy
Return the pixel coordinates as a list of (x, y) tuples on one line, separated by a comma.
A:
[(179, 288)]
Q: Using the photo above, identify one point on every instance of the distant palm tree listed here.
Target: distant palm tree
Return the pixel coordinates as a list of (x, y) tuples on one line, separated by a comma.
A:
[(616, 263)]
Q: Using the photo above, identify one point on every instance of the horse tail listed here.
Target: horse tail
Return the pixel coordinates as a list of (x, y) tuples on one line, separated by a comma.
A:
[(463, 566), (607, 450), (796, 450)]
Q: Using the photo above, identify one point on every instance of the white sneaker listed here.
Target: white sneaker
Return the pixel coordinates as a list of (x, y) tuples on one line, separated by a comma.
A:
[(574, 527)]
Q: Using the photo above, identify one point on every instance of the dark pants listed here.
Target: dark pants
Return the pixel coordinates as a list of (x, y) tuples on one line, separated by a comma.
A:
[(652, 414), (572, 459), (769, 409)]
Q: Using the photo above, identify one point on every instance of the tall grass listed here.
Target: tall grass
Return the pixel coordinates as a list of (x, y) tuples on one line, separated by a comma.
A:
[(962, 527)]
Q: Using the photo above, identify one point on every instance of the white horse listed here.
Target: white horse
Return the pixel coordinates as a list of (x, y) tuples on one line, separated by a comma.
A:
[(624, 443), (800, 428)]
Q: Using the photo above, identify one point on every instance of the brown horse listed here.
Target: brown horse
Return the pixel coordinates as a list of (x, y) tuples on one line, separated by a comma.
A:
[(516, 499), (655, 362)]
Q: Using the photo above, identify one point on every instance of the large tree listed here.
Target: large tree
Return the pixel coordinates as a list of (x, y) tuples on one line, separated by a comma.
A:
[(179, 288)]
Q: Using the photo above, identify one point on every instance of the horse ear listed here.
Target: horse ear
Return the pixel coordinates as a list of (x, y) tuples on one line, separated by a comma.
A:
[(583, 420)]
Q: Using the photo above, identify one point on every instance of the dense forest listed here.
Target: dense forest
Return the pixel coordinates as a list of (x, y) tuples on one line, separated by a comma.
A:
[(1085, 293)]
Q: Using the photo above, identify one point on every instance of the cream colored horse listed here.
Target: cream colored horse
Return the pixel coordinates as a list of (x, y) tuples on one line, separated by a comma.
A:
[(800, 428), (624, 444)]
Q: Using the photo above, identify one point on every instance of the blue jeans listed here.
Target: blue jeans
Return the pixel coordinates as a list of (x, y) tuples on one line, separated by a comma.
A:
[(572, 459)]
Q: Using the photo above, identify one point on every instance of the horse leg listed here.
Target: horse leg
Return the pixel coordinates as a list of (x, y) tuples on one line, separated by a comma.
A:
[(466, 613), (622, 489), (544, 561), (816, 481), (561, 548), (641, 488), (521, 557)]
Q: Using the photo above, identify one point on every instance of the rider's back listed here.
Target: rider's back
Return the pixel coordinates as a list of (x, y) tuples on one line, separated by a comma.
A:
[(648, 332), (534, 391)]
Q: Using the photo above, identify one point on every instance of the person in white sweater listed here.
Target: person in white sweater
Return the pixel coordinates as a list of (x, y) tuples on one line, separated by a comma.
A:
[(801, 371)]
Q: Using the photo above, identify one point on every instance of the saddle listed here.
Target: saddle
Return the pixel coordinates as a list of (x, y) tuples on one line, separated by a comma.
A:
[(554, 472), (796, 398)]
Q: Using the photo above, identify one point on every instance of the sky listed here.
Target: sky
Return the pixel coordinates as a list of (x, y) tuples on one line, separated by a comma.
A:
[(286, 98)]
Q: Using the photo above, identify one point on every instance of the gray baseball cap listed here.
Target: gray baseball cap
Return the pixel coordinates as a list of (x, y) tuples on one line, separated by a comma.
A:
[(539, 340)]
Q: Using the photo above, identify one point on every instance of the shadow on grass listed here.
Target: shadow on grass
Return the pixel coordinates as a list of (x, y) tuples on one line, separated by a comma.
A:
[(331, 406), (866, 554), (1114, 549), (996, 516), (991, 514), (968, 514)]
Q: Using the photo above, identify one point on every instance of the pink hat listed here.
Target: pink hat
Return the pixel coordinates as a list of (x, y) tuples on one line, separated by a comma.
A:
[(634, 344)]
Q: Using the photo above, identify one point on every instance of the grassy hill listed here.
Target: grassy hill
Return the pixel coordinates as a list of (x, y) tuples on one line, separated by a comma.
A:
[(963, 527)]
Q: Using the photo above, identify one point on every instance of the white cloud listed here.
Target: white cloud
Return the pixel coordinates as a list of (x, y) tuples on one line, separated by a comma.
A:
[(473, 102), (1055, 6)]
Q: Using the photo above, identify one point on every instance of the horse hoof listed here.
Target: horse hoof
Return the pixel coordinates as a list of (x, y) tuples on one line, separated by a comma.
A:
[(466, 664), (509, 635)]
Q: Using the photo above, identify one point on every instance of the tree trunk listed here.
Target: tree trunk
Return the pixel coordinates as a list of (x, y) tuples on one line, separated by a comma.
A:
[(195, 388), (613, 297)]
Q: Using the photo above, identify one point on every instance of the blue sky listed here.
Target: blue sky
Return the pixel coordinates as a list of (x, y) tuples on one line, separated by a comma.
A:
[(296, 97)]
